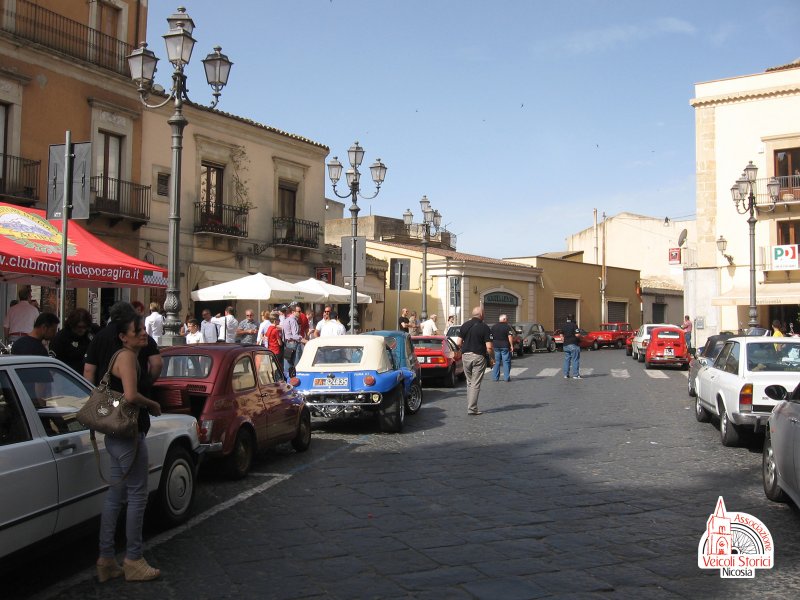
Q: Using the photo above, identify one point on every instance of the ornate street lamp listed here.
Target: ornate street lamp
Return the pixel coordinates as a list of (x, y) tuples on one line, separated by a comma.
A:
[(430, 218), (744, 198), (142, 63), (355, 155)]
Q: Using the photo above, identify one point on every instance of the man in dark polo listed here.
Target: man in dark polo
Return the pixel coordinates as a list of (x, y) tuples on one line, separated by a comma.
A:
[(477, 349)]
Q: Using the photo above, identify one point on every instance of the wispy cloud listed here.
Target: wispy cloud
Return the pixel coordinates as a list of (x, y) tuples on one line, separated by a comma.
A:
[(597, 40)]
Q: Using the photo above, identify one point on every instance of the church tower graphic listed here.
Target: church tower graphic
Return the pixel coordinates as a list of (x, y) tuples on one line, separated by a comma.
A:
[(718, 531)]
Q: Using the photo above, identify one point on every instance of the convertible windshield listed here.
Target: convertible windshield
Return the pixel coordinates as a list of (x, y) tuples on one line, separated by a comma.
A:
[(430, 344), (771, 356), (338, 355)]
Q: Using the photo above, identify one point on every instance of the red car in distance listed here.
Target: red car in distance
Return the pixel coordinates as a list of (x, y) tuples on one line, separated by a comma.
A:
[(612, 334), (667, 346), (439, 358), (587, 341)]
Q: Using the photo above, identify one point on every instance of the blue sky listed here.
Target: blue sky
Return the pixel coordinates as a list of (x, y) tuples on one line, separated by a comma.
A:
[(516, 118)]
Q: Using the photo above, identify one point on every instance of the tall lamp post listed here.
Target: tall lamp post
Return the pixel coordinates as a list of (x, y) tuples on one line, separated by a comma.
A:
[(142, 64), (378, 170), (430, 218), (744, 197)]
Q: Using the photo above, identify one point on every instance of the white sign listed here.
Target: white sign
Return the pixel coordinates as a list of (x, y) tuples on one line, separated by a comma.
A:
[(785, 257)]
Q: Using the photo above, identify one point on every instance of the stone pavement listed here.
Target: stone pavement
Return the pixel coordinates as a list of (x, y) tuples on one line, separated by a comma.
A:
[(598, 488)]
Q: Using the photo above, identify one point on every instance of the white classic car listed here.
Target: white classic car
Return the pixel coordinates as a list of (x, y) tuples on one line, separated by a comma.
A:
[(732, 387), (49, 480)]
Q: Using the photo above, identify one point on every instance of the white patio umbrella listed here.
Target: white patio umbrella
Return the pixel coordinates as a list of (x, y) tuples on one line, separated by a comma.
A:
[(331, 293), (256, 287)]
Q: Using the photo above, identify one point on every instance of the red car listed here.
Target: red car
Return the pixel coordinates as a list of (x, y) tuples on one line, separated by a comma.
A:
[(587, 341), (667, 346), (239, 396), (612, 334), (439, 358)]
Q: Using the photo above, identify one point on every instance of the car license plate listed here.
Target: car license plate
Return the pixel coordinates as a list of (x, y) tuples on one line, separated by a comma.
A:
[(333, 381), (669, 352), (422, 359)]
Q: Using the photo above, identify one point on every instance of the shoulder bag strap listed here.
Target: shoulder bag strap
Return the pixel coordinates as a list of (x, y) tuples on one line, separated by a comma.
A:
[(97, 458), (106, 377)]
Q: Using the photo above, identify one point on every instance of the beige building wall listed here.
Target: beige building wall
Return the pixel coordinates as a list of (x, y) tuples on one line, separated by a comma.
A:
[(738, 120)]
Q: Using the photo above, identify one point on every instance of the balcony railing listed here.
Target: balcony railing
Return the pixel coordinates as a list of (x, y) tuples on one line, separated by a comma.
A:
[(19, 178), (221, 219), (288, 231), (31, 22), (789, 192), (120, 199)]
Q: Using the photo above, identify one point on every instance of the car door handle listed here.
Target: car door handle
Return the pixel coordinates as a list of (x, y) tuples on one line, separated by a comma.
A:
[(793, 420), (64, 447)]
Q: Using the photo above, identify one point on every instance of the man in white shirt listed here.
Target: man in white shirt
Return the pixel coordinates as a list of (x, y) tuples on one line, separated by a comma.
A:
[(230, 326), (154, 323), (429, 326), (330, 325), (20, 317), (208, 328), (193, 336)]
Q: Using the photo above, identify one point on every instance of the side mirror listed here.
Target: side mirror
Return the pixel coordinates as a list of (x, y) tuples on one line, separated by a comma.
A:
[(776, 392)]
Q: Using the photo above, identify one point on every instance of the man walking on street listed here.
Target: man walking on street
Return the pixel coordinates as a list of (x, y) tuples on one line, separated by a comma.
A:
[(572, 351), (687, 331), (503, 342), (429, 327), (291, 340), (208, 329), (476, 346)]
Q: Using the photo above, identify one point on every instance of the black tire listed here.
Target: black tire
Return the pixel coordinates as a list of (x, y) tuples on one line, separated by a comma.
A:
[(700, 413), (618, 344), (685, 367), (769, 472), (628, 351), (302, 440), (647, 364), (551, 346), (414, 400), (392, 417), (239, 461), (175, 494), (595, 345), (640, 357), (729, 433), (691, 391), (449, 381)]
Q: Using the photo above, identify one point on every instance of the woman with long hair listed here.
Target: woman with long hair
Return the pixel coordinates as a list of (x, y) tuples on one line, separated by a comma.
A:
[(129, 461)]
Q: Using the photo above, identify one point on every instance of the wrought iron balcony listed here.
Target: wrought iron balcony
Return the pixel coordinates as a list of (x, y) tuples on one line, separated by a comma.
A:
[(220, 219), (289, 231), (29, 21), (118, 199), (19, 179), (789, 192)]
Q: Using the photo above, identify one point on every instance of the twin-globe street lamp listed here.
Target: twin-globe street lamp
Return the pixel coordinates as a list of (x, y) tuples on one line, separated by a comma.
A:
[(142, 64), (744, 194), (430, 217), (378, 170)]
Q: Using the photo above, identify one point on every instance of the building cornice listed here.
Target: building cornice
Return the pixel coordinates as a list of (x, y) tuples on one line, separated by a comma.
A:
[(746, 96)]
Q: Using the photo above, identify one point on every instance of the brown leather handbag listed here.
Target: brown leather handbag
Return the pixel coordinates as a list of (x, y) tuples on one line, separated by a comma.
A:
[(108, 412)]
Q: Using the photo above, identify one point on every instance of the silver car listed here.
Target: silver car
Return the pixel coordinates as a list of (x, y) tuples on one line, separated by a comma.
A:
[(780, 469), (47, 459)]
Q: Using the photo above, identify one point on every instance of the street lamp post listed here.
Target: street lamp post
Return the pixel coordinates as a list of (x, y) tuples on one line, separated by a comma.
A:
[(430, 218), (378, 171), (142, 64), (744, 198)]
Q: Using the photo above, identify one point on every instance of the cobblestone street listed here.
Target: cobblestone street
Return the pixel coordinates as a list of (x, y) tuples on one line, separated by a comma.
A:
[(562, 488)]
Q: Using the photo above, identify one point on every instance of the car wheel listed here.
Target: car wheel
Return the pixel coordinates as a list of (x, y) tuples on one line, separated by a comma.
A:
[(769, 472), (618, 344), (392, 417), (700, 413), (692, 391), (414, 400), (640, 357), (647, 363), (302, 440), (551, 347), (728, 432), (449, 381), (175, 492), (240, 460), (628, 351), (595, 345)]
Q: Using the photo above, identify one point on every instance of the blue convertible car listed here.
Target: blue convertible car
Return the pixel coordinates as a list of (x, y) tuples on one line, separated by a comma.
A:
[(353, 375), (403, 350)]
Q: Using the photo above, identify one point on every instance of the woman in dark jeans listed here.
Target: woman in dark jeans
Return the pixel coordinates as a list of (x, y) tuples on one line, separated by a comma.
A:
[(70, 344), (125, 454)]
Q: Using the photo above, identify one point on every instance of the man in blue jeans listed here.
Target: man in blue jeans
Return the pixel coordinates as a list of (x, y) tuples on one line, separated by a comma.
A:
[(572, 351), (503, 342)]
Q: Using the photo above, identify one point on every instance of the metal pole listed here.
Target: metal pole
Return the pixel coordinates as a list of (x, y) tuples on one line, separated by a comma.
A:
[(752, 223), (172, 304), (66, 209), (398, 284), (423, 315), (354, 227)]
